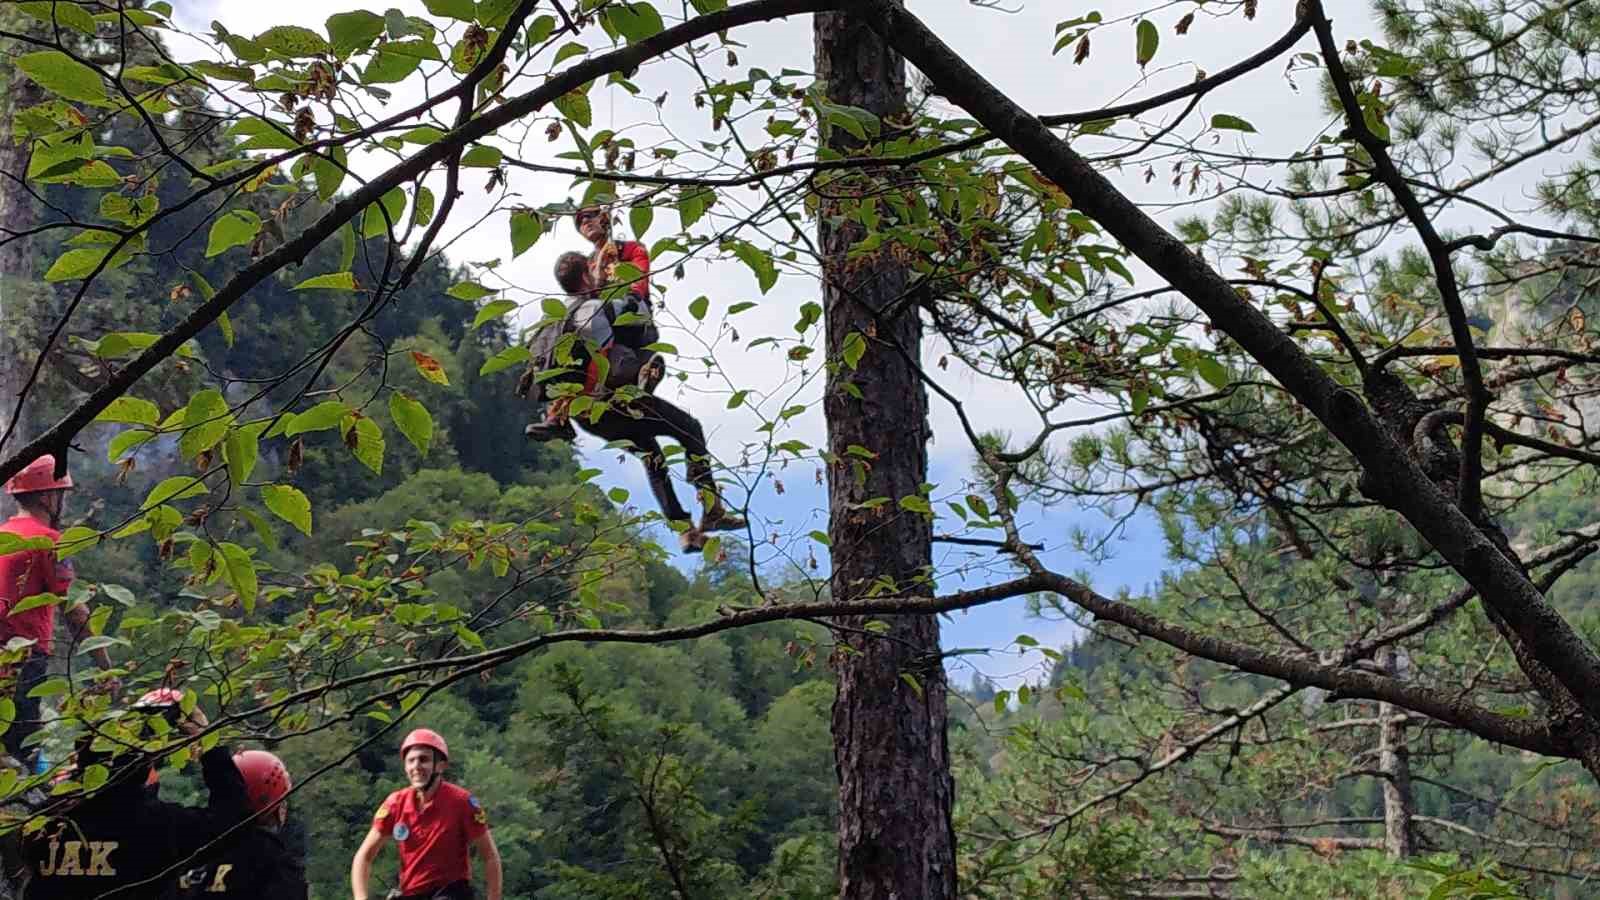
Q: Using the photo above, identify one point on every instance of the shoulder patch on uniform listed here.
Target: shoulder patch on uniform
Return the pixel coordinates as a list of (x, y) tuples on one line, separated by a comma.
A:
[(473, 799), (382, 811)]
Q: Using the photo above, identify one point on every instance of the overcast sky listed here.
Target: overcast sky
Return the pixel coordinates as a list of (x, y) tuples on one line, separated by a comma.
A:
[(1013, 49)]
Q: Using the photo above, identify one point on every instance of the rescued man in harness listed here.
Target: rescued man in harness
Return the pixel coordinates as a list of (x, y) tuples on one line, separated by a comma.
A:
[(573, 358)]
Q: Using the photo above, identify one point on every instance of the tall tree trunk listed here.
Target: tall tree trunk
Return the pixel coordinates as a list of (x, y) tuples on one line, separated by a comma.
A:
[(17, 214), (1394, 766), (890, 749)]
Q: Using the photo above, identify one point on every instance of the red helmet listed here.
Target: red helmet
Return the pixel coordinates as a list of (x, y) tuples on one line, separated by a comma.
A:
[(39, 475), (266, 779), (424, 737)]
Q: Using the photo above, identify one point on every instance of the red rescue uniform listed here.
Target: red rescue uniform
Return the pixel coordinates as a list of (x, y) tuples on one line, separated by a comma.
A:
[(433, 838), (30, 572)]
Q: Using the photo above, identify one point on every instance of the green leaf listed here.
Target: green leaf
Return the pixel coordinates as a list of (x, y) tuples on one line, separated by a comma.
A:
[(698, 307), (178, 487), (639, 219), (329, 173), (540, 29), (635, 21), (481, 156), (494, 13), (76, 540), (262, 528), (422, 207), (240, 572), (373, 222), (737, 400), (810, 312), (468, 291), (526, 229), (390, 66), (693, 203), (760, 262), (352, 31), (493, 310), (505, 359), (462, 10), (334, 281), (575, 106), (205, 422), (365, 440), (292, 41), (262, 134), (240, 449), (130, 411), (413, 420), (50, 687), (63, 76), (567, 51), (75, 264), (72, 16), (917, 504), (1149, 38), (234, 228), (1225, 122), (855, 347), (127, 440), (1212, 371), (321, 417), (289, 504), (347, 246)]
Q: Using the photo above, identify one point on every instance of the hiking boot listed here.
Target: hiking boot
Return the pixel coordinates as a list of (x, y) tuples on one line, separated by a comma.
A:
[(692, 540), (551, 431), (651, 373), (717, 518)]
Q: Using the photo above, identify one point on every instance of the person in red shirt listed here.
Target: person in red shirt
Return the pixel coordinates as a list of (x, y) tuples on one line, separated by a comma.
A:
[(434, 825), (41, 498)]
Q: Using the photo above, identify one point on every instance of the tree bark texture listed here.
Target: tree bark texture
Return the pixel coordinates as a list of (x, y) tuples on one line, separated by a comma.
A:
[(17, 214), (1394, 762), (895, 791)]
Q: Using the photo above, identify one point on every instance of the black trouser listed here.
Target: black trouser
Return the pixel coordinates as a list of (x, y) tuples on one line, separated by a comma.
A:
[(656, 419), (32, 671)]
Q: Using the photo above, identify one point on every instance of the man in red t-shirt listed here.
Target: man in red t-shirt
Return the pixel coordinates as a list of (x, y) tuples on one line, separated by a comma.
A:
[(41, 497), (434, 824)]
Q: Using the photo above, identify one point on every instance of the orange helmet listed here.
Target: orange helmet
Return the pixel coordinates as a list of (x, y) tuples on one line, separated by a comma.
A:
[(424, 737), (39, 475), (266, 778)]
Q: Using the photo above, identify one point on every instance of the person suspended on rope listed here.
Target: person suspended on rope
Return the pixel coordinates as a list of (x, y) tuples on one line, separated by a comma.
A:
[(640, 423), (119, 840), (257, 864), (41, 500), (434, 825), (629, 314)]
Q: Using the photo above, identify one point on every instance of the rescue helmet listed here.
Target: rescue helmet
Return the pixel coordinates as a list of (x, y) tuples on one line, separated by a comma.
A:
[(39, 475), (425, 737), (266, 778)]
